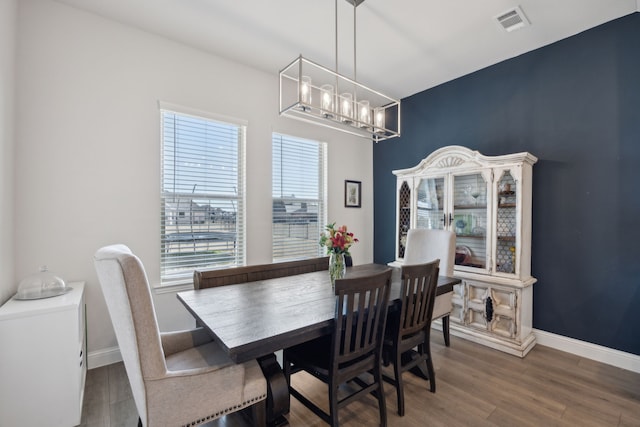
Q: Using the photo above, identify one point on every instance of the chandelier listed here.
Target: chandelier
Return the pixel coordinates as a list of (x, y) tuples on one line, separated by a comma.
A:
[(319, 95)]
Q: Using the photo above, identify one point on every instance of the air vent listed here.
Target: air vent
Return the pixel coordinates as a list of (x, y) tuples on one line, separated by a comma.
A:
[(512, 19)]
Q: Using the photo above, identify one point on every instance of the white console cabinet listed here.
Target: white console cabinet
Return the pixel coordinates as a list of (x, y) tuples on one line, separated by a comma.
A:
[(43, 360), (486, 201)]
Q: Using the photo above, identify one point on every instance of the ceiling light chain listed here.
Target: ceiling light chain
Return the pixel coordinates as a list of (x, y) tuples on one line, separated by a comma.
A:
[(355, 77)]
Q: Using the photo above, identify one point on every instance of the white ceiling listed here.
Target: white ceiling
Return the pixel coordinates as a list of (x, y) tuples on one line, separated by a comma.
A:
[(403, 46)]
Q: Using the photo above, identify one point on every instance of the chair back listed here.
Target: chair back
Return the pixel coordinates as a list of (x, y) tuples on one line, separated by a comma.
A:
[(128, 297), (424, 245), (418, 293), (361, 312), (250, 273)]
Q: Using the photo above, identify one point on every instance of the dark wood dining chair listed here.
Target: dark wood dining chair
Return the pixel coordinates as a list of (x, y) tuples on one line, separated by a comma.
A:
[(410, 326), (353, 349)]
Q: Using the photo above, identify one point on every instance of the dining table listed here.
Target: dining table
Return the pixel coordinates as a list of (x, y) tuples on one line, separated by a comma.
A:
[(253, 320)]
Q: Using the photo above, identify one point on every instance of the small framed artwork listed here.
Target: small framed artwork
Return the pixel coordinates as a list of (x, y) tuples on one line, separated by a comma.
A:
[(352, 194)]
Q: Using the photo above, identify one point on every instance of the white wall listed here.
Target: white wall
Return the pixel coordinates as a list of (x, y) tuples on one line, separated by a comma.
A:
[(88, 148), (8, 15)]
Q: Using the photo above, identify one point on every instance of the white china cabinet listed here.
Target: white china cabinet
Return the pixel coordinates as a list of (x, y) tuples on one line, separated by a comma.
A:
[(486, 201)]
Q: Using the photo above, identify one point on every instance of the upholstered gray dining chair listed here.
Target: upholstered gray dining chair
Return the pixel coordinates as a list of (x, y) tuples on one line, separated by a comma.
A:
[(179, 378), (425, 245)]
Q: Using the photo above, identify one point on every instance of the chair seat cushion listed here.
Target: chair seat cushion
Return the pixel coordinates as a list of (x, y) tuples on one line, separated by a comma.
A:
[(209, 355)]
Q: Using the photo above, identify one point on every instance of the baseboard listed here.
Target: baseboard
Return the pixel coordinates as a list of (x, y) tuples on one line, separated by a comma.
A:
[(107, 356), (620, 359), (617, 358)]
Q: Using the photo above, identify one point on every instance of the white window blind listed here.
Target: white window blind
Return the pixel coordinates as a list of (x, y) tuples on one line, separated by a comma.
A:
[(299, 197), (202, 195)]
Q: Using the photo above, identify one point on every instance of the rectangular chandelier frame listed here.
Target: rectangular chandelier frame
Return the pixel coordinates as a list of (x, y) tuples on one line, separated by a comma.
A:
[(318, 95)]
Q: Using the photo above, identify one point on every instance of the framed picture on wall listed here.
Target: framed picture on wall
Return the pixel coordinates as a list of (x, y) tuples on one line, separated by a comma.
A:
[(352, 194)]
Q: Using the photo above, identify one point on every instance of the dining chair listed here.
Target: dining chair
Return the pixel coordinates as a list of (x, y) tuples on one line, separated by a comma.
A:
[(409, 327), (177, 378), (352, 349), (425, 245)]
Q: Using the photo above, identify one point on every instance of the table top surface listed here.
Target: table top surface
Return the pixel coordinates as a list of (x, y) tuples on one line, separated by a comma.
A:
[(254, 319)]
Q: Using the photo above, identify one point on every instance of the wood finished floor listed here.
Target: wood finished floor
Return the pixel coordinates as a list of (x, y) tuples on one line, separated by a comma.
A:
[(476, 386)]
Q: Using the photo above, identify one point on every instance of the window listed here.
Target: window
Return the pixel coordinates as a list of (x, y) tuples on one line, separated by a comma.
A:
[(202, 194), (299, 197)]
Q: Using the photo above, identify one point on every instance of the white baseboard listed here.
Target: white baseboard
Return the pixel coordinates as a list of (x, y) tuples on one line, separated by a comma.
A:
[(620, 359), (107, 356)]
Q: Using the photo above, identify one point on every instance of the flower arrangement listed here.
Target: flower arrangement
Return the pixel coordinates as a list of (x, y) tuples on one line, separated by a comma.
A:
[(337, 240)]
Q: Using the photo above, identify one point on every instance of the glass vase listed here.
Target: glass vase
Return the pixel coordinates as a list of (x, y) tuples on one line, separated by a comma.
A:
[(337, 267)]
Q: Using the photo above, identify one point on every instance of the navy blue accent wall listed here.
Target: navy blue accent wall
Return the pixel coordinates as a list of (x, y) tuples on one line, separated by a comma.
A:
[(575, 105)]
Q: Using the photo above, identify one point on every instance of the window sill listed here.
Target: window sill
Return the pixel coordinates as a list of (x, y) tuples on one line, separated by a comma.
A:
[(178, 286)]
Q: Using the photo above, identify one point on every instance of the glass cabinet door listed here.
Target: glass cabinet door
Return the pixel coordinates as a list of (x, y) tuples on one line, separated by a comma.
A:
[(469, 220), (430, 203), (506, 223), (404, 217)]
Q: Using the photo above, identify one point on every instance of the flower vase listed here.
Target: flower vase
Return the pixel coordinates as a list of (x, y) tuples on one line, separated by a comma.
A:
[(337, 267)]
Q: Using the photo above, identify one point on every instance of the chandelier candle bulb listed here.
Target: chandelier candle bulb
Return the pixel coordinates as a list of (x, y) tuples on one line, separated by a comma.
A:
[(346, 103), (305, 90), (379, 119), (326, 93), (364, 114)]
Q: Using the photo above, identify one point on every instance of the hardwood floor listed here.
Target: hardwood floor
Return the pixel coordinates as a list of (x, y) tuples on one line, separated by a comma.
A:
[(476, 386)]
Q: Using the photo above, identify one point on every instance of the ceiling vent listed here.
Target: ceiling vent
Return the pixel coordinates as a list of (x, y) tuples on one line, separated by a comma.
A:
[(513, 19)]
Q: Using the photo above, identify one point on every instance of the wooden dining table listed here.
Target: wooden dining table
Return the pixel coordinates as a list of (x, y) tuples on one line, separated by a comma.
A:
[(253, 320)]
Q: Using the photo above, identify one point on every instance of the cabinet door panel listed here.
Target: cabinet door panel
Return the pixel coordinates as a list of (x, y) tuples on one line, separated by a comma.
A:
[(477, 292), (457, 314), (504, 300), (458, 303), (504, 311), (506, 222), (430, 203), (476, 309), (504, 326), (476, 317), (404, 217), (469, 220)]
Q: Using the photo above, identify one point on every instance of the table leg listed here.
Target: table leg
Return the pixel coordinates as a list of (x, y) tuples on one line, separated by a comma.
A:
[(277, 391)]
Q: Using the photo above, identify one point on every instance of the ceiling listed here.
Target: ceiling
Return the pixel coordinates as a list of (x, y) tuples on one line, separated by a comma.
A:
[(403, 46)]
